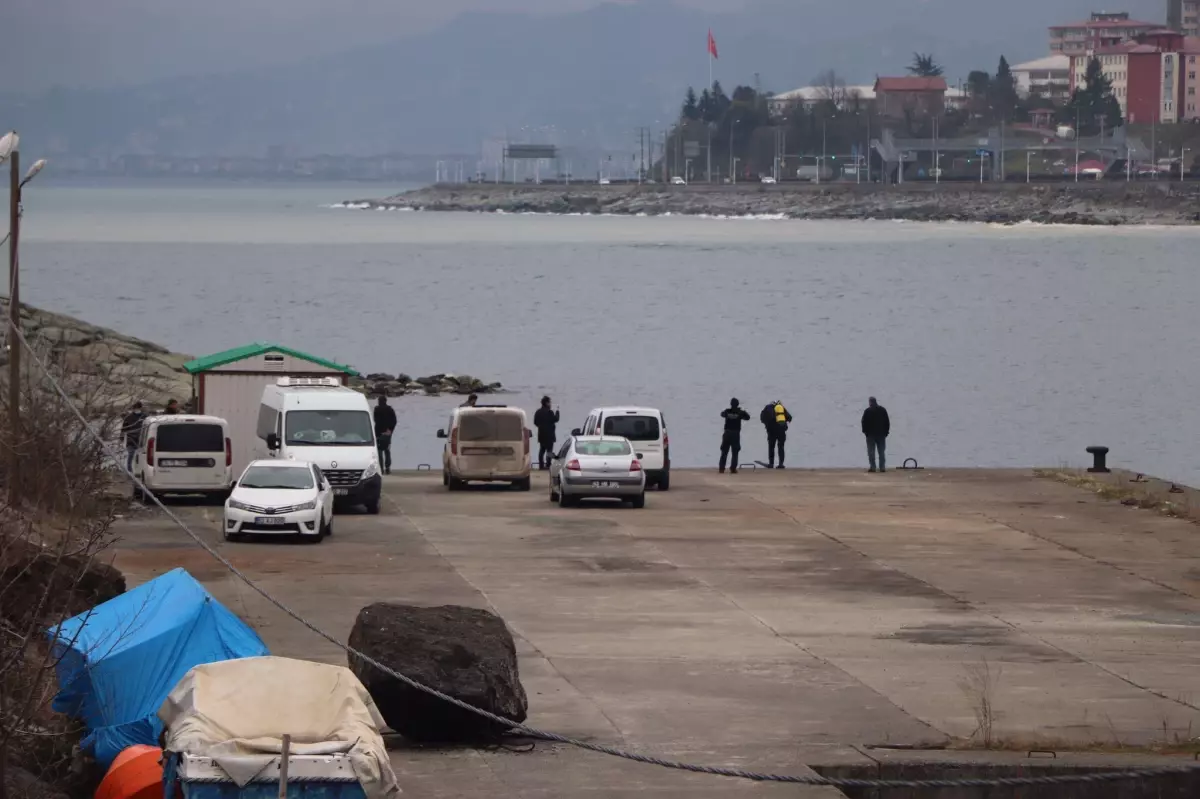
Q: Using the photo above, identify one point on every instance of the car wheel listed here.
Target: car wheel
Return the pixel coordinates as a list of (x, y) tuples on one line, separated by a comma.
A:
[(329, 525), (639, 501), (445, 477), (372, 507), (231, 537), (147, 497), (565, 500), (454, 484), (523, 485), (664, 482), (553, 492)]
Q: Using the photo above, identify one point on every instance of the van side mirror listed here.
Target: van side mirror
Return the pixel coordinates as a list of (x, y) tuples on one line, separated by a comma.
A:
[(272, 441), (576, 432), (441, 434)]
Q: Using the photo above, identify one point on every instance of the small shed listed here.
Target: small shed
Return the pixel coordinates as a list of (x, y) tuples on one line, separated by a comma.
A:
[(229, 384)]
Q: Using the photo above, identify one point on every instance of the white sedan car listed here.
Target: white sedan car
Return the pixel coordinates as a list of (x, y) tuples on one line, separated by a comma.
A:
[(597, 467), (768, 179), (280, 497)]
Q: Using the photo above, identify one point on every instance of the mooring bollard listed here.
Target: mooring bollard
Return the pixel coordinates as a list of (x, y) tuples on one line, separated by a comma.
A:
[(1098, 455)]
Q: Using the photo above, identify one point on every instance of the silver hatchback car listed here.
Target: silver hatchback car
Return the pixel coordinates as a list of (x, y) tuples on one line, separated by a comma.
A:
[(597, 467)]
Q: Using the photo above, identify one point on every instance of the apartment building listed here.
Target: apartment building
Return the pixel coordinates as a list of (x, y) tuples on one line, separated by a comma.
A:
[(1048, 77), (1102, 29), (1184, 16), (1154, 78)]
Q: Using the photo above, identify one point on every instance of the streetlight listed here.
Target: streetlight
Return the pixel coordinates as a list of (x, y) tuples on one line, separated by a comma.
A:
[(9, 151)]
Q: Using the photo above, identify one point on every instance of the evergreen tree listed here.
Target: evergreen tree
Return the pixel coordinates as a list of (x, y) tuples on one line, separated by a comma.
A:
[(1004, 92), (1093, 104), (691, 109)]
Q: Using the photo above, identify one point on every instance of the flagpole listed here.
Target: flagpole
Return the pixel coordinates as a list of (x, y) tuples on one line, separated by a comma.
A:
[(708, 176)]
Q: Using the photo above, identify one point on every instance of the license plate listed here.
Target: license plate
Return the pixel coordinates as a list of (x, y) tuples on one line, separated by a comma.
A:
[(341, 492), (268, 521), (603, 484), (172, 463)]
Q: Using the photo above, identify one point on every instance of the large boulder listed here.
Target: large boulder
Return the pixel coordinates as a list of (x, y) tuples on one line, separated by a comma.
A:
[(463, 652)]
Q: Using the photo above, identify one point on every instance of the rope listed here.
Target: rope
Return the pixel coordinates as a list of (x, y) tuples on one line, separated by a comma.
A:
[(553, 737)]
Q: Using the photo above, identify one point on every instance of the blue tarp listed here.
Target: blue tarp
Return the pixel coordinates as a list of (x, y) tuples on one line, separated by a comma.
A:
[(118, 661)]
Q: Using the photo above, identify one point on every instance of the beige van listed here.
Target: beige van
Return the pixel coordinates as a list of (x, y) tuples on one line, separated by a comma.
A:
[(486, 443)]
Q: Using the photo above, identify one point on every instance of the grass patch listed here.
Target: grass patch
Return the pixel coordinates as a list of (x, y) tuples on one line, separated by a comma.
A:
[(1128, 495)]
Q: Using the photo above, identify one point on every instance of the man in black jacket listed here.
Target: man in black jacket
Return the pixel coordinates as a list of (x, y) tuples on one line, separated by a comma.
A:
[(731, 438), (875, 426), (385, 425), (544, 419), (776, 419), (131, 428)]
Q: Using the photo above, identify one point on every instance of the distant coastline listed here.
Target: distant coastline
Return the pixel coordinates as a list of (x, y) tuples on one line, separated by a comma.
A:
[(1087, 203)]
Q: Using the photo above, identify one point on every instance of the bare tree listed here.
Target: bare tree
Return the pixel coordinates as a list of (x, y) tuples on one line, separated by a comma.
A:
[(832, 88), (49, 567)]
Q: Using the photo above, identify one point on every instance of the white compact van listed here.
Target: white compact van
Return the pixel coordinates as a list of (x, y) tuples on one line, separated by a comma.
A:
[(646, 429), (486, 443), (317, 419), (184, 454)]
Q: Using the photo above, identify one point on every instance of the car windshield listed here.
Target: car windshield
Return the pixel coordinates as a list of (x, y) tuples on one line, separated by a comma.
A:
[(489, 427), (329, 428), (635, 428), (276, 477), (604, 448), (189, 437)]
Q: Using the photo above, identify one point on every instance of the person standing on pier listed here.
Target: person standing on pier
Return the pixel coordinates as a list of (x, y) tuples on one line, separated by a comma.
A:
[(544, 419), (172, 408), (775, 418), (875, 426), (131, 427), (731, 438), (471, 400), (385, 425)]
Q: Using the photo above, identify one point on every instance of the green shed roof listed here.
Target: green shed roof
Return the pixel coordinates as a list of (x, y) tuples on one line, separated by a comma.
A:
[(259, 348)]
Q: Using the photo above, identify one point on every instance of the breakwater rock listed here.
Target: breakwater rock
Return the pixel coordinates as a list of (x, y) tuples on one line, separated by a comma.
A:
[(1089, 202), (383, 384), (105, 371)]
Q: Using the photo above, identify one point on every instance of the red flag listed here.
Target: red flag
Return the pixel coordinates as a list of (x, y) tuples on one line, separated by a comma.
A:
[(712, 44)]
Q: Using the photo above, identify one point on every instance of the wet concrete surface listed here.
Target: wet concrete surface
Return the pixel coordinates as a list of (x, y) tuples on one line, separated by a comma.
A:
[(763, 620)]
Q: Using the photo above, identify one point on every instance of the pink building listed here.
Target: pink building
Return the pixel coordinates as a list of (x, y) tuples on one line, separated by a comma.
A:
[(1102, 29)]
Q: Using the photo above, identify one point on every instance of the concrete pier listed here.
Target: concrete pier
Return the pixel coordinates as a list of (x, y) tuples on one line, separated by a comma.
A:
[(766, 620)]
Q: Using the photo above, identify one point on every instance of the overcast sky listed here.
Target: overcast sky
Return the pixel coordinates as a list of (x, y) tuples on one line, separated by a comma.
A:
[(99, 42)]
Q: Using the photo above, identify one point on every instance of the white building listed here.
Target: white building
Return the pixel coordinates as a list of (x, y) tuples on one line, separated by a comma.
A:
[(847, 98), (1048, 77)]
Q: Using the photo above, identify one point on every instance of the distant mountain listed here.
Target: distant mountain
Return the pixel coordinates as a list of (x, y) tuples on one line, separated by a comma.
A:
[(585, 79)]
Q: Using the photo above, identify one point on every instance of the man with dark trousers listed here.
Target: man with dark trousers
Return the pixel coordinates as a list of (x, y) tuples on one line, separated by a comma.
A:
[(875, 426), (385, 425), (544, 419), (775, 418), (731, 438)]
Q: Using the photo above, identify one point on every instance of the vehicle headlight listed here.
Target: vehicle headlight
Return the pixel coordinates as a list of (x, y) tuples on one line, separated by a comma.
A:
[(306, 506), (233, 503), (371, 470)]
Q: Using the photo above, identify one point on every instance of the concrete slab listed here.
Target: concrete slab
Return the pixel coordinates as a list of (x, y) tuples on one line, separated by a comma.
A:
[(765, 619)]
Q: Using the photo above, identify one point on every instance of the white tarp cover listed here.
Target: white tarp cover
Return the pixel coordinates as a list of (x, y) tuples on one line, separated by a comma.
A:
[(237, 711)]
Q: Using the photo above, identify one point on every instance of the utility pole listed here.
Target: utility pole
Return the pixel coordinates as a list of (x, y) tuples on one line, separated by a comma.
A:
[(14, 321)]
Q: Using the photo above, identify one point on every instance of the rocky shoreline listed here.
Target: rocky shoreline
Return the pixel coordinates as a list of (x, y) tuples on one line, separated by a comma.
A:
[(105, 371), (1087, 203)]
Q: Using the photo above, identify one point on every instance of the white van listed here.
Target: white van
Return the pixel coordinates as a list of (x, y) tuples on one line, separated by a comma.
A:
[(646, 428), (184, 454), (317, 419), (486, 443)]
